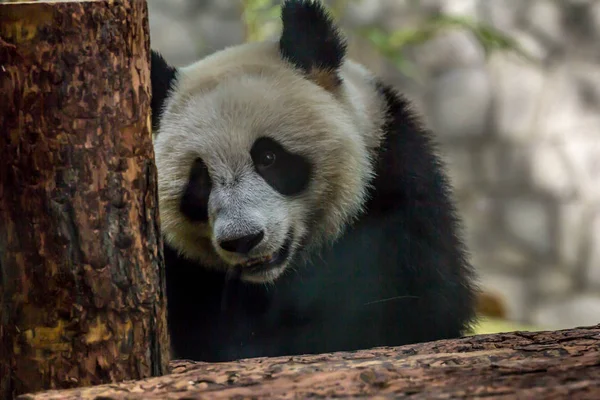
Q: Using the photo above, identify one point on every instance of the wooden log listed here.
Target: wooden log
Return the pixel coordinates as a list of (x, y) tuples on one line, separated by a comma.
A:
[(545, 365), (82, 296)]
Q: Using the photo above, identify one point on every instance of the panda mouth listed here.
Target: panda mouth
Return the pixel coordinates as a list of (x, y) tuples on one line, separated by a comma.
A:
[(266, 263)]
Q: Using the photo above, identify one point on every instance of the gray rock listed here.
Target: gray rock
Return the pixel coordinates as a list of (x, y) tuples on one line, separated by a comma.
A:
[(551, 281), (363, 12), (586, 79), (463, 8), (502, 14), (530, 45), (408, 8), (551, 172), (454, 49), (578, 310), (517, 88), (544, 19), (592, 272), (172, 39), (429, 6), (217, 33), (511, 259), (498, 255), (580, 25), (583, 158), (478, 212), (505, 167), (528, 221), (459, 164), (595, 17), (225, 10), (570, 225), (566, 106), (180, 10), (400, 14), (459, 103)]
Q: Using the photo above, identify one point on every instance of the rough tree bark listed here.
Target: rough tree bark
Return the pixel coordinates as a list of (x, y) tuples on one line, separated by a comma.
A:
[(545, 365), (82, 297)]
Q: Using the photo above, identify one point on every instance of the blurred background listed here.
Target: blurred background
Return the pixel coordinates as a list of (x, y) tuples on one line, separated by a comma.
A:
[(511, 89)]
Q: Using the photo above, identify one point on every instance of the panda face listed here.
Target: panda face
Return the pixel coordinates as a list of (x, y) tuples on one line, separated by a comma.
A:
[(255, 163)]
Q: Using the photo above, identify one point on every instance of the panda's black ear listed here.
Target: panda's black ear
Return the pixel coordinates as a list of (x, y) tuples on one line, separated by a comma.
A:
[(312, 42), (162, 77)]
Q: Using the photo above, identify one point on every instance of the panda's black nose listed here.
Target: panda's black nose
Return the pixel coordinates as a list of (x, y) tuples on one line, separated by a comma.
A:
[(243, 244)]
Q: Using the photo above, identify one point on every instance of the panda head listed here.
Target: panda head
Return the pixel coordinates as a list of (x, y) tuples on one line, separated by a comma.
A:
[(259, 154)]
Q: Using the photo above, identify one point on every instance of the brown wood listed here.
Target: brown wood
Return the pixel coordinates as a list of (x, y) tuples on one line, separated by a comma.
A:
[(544, 365), (82, 270)]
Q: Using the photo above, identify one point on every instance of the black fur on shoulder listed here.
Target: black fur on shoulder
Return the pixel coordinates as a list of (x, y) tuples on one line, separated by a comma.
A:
[(309, 39), (162, 76), (413, 193)]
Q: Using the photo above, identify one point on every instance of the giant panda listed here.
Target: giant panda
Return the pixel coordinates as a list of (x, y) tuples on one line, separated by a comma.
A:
[(303, 206)]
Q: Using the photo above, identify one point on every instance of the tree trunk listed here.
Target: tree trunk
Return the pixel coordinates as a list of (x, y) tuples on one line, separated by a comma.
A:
[(82, 297), (545, 365)]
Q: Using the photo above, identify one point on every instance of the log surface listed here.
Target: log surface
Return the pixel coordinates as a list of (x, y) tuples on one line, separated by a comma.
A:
[(546, 365), (81, 266)]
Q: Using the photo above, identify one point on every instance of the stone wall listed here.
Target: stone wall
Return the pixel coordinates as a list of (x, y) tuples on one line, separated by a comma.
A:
[(521, 137)]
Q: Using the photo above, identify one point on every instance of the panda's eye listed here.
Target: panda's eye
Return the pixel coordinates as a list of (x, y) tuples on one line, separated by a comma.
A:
[(285, 171), (266, 159)]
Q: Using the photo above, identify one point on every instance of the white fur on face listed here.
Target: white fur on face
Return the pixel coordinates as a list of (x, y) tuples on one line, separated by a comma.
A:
[(220, 106)]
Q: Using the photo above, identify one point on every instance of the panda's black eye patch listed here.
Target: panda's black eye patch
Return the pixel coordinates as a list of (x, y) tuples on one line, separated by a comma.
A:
[(286, 172), (194, 202)]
